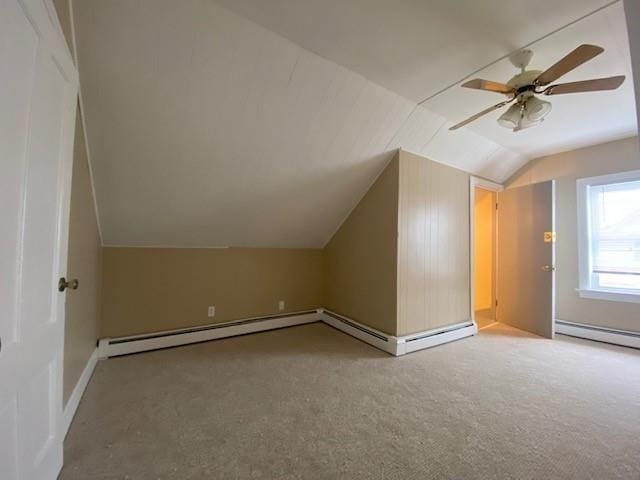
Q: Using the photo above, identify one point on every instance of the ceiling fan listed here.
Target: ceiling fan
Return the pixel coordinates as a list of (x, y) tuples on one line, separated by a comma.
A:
[(527, 110)]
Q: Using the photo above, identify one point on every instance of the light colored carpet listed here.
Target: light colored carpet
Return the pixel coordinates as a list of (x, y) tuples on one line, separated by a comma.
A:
[(312, 403), (484, 319)]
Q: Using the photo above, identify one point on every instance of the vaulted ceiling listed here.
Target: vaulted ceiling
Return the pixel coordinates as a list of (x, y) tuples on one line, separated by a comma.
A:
[(253, 123)]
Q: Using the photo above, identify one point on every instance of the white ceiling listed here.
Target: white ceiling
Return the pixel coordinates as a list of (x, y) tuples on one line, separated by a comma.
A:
[(206, 129), (413, 47), (576, 120)]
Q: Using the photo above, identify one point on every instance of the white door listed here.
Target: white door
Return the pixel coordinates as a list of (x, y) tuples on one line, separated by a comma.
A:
[(526, 257), (38, 88)]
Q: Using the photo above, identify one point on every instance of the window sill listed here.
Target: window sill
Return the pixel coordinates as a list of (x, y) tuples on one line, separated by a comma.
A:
[(609, 295)]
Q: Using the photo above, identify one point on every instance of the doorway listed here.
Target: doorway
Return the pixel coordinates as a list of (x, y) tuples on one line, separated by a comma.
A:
[(512, 251), (484, 254), (484, 250)]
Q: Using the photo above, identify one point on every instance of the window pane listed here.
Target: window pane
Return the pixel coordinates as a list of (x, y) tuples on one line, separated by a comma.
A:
[(619, 281), (615, 234)]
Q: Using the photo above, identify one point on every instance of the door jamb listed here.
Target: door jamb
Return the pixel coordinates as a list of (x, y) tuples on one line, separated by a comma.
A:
[(493, 187)]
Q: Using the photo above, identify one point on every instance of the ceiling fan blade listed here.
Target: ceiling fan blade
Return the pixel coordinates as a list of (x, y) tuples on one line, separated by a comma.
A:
[(580, 55), (480, 114), (480, 84), (597, 84)]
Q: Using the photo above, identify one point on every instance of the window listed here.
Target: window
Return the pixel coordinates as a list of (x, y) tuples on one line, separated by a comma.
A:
[(609, 243)]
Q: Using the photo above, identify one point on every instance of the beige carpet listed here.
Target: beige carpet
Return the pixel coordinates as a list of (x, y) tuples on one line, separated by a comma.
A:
[(312, 403), (484, 319)]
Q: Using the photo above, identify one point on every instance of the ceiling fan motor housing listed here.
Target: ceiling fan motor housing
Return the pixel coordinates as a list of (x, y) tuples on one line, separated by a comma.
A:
[(524, 79)]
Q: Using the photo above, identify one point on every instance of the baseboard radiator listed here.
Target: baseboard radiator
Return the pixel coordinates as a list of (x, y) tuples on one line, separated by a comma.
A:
[(113, 347), (625, 338), (399, 345)]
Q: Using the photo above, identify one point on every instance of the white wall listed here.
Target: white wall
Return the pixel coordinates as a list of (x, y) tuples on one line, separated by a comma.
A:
[(621, 155)]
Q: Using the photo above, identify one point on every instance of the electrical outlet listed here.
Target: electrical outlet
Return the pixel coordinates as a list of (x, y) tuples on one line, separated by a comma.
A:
[(281, 305), (211, 312)]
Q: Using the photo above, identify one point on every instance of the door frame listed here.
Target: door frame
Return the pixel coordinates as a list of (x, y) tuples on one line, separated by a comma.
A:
[(493, 187)]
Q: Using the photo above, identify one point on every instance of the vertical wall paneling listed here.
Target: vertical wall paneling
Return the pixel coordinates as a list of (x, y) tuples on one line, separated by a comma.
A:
[(433, 246)]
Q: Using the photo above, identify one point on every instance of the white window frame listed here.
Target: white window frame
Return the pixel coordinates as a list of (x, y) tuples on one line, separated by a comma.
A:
[(586, 288)]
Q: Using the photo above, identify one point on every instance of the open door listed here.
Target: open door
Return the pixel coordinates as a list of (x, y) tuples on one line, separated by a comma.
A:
[(526, 258), (38, 91)]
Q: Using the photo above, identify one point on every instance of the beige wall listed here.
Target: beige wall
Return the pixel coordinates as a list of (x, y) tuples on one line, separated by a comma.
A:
[(566, 167), (408, 239), (433, 245), (153, 289), (63, 9), (360, 261), (632, 12), (484, 232), (84, 263)]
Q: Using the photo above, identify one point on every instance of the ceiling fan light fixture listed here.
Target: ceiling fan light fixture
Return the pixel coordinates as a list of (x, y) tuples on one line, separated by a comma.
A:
[(535, 109), (525, 123), (530, 110), (511, 117)]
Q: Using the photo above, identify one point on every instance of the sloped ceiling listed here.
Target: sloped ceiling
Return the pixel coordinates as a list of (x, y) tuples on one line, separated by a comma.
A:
[(207, 129), (413, 47)]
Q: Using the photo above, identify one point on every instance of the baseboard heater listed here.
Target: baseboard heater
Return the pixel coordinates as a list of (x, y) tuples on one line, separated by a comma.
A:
[(400, 345), (625, 338), (112, 347), (438, 336), (367, 334)]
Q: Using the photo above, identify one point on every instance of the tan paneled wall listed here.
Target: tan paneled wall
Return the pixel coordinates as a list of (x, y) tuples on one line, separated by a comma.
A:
[(85, 263), (433, 246), (360, 262), (154, 289), (566, 167)]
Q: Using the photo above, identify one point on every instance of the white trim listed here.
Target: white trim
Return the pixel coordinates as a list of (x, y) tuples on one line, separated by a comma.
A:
[(625, 338), (112, 347), (399, 345), (435, 337), (74, 400), (492, 187), (609, 295), (378, 339), (586, 286), (620, 177), (486, 184)]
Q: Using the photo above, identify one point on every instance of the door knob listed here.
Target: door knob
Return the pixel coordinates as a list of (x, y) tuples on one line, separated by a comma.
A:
[(548, 268), (63, 284)]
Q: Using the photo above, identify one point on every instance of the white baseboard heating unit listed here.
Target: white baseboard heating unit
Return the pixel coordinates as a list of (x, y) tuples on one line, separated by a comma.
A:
[(626, 338), (113, 347)]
